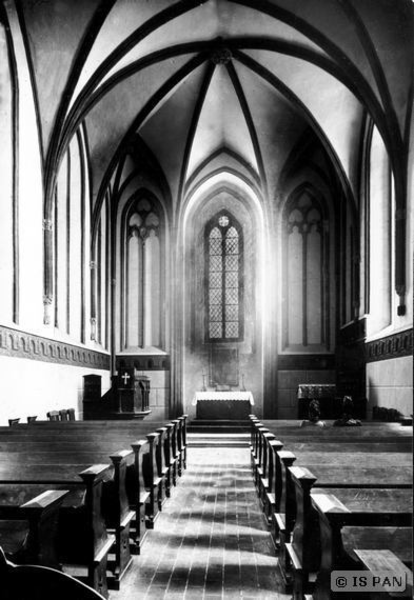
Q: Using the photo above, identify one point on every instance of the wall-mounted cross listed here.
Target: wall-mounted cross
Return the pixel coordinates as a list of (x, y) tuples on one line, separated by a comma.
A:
[(125, 377)]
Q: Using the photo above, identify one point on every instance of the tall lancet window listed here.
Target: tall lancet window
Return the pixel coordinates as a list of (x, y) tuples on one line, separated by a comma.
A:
[(143, 277), (224, 281), (305, 265)]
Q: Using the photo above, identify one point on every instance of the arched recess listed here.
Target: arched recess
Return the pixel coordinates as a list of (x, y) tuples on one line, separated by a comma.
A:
[(141, 266), (307, 315), (235, 360)]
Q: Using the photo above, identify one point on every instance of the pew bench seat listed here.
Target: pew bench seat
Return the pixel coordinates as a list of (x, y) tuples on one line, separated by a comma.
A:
[(384, 561), (369, 520), (397, 540)]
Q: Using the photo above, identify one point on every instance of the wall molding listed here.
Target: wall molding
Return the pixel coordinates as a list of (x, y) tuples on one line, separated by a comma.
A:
[(393, 346), (306, 362), (144, 362), (19, 344)]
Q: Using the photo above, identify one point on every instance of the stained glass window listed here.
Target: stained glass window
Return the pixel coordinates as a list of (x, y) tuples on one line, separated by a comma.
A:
[(224, 249)]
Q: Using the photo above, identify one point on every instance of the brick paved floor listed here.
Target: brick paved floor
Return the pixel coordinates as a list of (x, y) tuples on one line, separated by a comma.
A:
[(210, 541)]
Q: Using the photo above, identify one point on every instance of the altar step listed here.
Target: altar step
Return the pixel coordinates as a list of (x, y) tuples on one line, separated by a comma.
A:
[(225, 433), (218, 426), (228, 440)]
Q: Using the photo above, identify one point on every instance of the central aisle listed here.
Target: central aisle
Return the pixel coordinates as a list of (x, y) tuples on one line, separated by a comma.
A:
[(211, 540)]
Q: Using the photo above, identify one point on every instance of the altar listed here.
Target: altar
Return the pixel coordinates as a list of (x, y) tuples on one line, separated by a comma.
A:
[(223, 405)]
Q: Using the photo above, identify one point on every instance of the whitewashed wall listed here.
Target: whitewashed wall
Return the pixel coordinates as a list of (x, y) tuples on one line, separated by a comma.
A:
[(31, 387)]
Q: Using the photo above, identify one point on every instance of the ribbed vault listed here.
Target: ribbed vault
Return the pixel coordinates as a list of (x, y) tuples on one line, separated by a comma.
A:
[(241, 75)]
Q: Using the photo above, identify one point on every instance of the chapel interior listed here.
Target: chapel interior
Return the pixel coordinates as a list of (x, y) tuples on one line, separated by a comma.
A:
[(205, 196)]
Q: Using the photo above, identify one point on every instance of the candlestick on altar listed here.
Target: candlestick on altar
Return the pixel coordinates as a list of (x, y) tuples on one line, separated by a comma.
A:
[(204, 383)]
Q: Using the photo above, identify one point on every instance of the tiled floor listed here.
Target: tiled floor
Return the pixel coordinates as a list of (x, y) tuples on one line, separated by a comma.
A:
[(210, 541)]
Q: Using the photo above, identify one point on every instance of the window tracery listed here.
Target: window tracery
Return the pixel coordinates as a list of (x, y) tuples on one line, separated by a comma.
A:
[(143, 276), (224, 245), (306, 274)]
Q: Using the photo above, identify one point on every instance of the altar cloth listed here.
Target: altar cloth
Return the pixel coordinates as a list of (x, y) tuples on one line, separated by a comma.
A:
[(213, 396)]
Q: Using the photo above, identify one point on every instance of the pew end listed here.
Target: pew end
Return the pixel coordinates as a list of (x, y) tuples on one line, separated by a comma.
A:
[(343, 541), (53, 415), (141, 497), (84, 540), (303, 551), (29, 530), (34, 582), (120, 516)]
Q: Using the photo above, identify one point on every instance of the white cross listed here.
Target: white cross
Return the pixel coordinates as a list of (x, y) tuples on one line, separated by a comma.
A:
[(125, 377)]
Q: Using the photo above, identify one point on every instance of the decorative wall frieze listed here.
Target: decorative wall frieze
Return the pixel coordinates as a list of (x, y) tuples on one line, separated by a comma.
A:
[(392, 346), (19, 344), (144, 362), (306, 362)]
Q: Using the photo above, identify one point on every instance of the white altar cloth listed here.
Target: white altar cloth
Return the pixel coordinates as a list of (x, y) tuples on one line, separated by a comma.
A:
[(200, 396)]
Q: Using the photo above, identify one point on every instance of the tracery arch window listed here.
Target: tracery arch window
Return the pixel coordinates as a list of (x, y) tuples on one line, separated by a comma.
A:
[(143, 276), (306, 274), (224, 279)]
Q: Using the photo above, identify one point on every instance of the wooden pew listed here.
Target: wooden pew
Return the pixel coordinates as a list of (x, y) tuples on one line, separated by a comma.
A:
[(269, 498), (321, 454), (283, 511), (65, 434), (300, 439), (275, 498), (259, 455), (367, 432), (368, 519), (335, 444), (265, 469), (286, 425), (385, 562), (139, 427), (28, 523), (304, 549), (82, 533), (120, 494), (34, 582), (175, 446), (53, 415)]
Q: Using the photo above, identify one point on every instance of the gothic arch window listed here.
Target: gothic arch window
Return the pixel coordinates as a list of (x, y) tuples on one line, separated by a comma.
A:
[(143, 275), (224, 279), (306, 274)]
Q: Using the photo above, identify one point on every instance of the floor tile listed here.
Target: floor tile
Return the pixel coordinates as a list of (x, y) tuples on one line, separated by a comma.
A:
[(211, 541)]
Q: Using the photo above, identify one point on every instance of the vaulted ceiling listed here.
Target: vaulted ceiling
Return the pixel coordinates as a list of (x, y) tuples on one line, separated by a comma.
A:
[(220, 82)]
